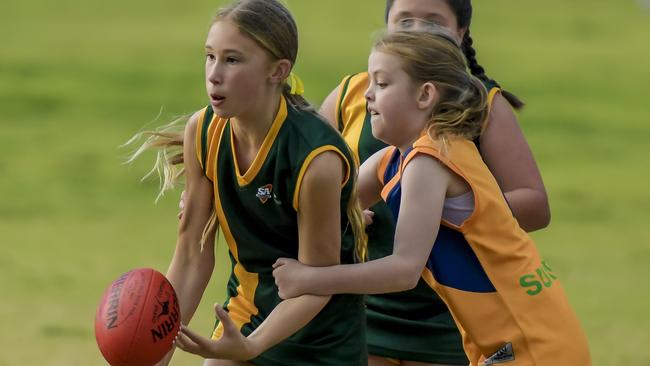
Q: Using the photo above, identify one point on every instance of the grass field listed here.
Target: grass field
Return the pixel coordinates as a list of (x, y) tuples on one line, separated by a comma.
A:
[(78, 78)]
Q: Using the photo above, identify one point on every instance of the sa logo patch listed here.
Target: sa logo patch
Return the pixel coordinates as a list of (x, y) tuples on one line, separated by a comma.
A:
[(264, 192)]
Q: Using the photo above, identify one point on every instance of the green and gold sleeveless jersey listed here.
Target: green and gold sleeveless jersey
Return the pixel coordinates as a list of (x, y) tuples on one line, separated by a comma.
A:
[(257, 211), (414, 325)]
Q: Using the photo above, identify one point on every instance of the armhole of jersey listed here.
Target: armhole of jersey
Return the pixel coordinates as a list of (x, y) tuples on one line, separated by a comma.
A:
[(198, 139), (307, 162), (205, 126), (339, 103), (434, 153), (383, 164), (490, 99)]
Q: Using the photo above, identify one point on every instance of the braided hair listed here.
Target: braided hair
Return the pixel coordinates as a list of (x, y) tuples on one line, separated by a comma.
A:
[(462, 9)]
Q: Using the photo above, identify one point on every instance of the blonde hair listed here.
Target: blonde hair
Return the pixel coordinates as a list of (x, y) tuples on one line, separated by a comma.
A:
[(272, 27), (433, 56), (355, 214)]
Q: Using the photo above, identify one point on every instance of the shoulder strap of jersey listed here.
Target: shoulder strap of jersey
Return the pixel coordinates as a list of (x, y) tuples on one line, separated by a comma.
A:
[(202, 136), (492, 92), (339, 104), (383, 165), (208, 136), (449, 153)]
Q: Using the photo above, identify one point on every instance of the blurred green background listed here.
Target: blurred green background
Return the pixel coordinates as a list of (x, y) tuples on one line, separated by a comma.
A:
[(78, 78)]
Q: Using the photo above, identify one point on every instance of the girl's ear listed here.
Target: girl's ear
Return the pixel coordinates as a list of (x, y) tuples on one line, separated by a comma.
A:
[(461, 34), (280, 70), (427, 94)]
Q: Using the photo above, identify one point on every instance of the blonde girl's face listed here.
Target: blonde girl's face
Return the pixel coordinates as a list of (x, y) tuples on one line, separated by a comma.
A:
[(418, 15), (237, 70), (395, 114)]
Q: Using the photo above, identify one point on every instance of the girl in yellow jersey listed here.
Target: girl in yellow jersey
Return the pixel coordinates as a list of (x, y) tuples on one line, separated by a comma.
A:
[(278, 181), (454, 227), (414, 328)]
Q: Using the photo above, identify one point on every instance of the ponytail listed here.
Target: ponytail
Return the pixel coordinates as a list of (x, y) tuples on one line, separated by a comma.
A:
[(478, 71), (297, 100)]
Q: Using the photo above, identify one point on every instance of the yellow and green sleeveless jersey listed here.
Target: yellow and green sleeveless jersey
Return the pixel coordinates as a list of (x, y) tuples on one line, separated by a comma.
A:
[(257, 212), (508, 303), (413, 325)]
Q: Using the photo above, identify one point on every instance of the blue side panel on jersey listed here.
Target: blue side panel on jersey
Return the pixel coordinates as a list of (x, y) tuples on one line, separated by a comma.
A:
[(392, 167), (454, 264), (452, 261), (394, 199)]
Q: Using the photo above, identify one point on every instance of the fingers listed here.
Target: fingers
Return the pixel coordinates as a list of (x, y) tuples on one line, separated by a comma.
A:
[(277, 266), (280, 262), (284, 261), (184, 342), (193, 336), (228, 325)]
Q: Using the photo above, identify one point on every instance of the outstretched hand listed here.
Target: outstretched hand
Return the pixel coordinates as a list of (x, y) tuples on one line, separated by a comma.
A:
[(290, 276), (231, 346)]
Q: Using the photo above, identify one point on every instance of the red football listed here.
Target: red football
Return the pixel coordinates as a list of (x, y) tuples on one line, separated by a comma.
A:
[(137, 319)]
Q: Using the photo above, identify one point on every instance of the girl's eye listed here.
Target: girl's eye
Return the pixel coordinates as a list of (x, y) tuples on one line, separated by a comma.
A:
[(231, 60), (406, 22), (382, 85), (209, 57)]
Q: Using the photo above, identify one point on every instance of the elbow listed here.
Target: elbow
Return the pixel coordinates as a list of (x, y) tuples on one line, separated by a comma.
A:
[(407, 278), (539, 222), (413, 280), (542, 216), (530, 207), (401, 272), (545, 218), (544, 213), (409, 283)]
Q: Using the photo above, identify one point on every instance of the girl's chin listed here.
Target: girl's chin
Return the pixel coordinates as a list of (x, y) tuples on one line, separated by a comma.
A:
[(378, 133), (222, 113)]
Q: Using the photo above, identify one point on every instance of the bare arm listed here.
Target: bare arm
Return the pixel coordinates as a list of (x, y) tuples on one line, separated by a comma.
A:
[(424, 184), (191, 268), (507, 154), (328, 108), (368, 183)]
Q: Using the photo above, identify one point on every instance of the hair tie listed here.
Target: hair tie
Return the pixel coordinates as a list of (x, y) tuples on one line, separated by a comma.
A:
[(297, 87)]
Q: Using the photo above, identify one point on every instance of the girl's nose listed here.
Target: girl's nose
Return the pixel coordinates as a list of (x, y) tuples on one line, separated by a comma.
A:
[(369, 94), (214, 74)]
